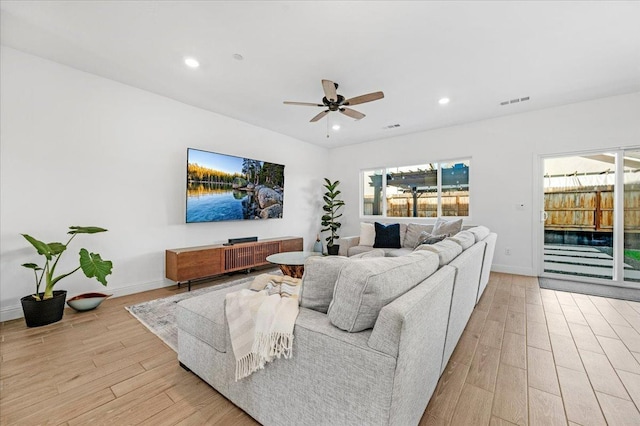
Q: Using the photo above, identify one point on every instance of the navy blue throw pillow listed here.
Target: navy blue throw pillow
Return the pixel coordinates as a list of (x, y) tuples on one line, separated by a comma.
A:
[(387, 236)]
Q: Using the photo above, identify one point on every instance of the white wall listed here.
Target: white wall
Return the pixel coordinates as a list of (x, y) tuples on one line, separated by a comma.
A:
[(80, 149), (504, 153), (77, 149)]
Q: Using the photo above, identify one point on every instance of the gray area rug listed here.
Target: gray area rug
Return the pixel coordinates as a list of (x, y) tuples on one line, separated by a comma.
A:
[(602, 290), (159, 315)]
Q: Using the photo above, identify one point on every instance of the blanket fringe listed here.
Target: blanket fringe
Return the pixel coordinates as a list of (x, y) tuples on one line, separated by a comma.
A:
[(265, 347), (274, 344), (283, 345), (247, 365)]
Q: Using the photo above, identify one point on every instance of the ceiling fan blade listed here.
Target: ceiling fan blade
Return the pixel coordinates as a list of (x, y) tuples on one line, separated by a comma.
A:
[(319, 116), (352, 113), (364, 98), (301, 103), (329, 88)]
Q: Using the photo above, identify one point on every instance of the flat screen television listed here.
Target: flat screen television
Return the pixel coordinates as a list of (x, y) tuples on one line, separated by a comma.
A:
[(223, 187)]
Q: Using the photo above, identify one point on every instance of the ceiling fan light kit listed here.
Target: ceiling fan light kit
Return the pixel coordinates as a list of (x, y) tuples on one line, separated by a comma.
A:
[(335, 102)]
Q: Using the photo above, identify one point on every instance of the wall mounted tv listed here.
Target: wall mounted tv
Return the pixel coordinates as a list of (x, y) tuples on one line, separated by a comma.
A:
[(223, 187)]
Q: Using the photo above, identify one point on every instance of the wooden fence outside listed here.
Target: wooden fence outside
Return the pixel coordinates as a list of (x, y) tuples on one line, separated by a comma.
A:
[(454, 203), (590, 209)]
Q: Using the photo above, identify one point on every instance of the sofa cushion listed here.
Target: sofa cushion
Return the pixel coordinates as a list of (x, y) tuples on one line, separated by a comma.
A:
[(203, 316), (320, 275), (465, 238), (397, 252), (358, 249), (387, 236), (370, 253), (414, 230), (446, 250), (443, 226), (364, 287), (367, 234), (479, 232)]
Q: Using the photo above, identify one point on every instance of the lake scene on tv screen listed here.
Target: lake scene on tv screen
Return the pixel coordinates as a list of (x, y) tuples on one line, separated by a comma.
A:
[(224, 187)]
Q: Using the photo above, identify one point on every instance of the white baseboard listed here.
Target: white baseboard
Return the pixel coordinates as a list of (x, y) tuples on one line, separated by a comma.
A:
[(13, 312), (10, 313), (139, 288), (507, 269)]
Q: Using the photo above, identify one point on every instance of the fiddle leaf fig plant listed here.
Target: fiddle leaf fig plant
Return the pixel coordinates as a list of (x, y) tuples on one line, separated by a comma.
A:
[(91, 264), (331, 206)]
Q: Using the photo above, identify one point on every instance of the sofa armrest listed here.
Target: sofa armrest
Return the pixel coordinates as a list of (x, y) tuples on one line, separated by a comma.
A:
[(346, 243)]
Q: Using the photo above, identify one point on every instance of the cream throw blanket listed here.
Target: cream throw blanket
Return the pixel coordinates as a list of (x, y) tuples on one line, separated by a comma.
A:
[(261, 321)]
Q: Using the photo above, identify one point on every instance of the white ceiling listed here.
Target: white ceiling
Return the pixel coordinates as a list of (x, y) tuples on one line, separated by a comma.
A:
[(476, 53)]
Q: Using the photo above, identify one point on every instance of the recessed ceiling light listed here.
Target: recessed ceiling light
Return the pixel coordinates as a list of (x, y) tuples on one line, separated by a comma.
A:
[(238, 57), (191, 62), (444, 101), (336, 127)]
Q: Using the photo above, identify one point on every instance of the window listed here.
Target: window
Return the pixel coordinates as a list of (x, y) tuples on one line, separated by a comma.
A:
[(372, 193), (455, 188), (425, 190)]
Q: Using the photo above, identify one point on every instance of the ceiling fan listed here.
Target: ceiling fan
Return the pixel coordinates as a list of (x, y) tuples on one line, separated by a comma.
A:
[(336, 102)]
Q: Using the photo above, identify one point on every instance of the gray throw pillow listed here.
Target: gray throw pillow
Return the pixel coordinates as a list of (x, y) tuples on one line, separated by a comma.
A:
[(443, 226), (318, 281), (428, 238), (365, 286), (414, 230)]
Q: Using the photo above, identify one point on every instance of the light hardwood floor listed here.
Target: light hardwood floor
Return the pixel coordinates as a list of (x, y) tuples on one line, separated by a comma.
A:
[(542, 357), (527, 356)]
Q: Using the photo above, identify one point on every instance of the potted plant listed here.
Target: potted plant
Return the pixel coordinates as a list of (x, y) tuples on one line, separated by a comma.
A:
[(48, 307), (331, 206)]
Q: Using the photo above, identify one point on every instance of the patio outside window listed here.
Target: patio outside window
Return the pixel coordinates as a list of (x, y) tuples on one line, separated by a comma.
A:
[(424, 190)]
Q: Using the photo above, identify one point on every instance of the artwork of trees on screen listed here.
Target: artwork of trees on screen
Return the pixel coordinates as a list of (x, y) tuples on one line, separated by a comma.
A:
[(240, 188)]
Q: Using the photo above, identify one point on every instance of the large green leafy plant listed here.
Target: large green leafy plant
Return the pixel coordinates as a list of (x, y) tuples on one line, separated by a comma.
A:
[(91, 263), (331, 206)]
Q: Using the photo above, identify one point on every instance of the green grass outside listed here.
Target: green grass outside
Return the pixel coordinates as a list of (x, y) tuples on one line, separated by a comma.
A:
[(632, 254)]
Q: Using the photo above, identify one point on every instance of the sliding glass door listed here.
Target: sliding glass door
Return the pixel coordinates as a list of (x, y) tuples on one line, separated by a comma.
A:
[(591, 216), (631, 216)]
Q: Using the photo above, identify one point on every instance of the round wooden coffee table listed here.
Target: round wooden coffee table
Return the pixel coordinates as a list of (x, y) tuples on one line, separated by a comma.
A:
[(292, 263)]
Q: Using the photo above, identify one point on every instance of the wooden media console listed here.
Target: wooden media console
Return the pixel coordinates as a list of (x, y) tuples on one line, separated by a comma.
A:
[(188, 264)]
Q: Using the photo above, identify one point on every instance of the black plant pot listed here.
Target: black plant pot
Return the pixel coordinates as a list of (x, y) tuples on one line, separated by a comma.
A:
[(43, 312), (333, 250)]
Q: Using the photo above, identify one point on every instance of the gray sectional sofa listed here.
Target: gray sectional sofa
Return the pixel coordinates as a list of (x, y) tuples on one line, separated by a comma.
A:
[(368, 349), (409, 233)]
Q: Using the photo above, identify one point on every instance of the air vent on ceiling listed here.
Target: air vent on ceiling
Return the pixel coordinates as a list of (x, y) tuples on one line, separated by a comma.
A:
[(391, 126), (514, 101)]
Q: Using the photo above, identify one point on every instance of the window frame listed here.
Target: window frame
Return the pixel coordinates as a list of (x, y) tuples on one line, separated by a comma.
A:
[(385, 172)]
